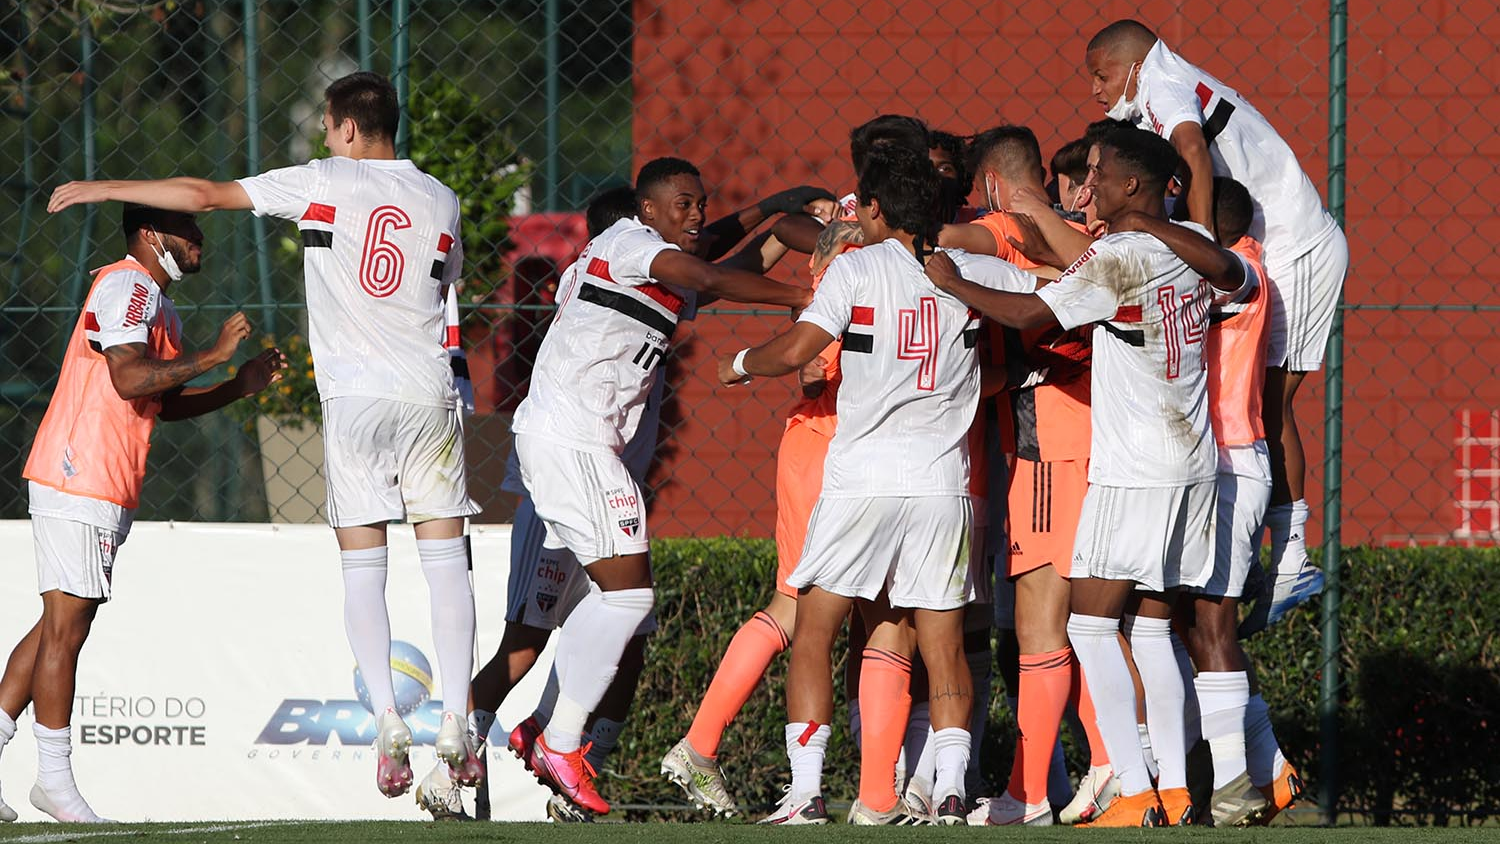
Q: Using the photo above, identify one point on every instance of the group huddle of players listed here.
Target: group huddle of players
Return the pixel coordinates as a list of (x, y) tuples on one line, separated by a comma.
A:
[(1063, 411)]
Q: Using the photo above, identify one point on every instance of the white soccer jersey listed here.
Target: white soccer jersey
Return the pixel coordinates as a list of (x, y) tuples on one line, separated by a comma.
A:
[(1290, 217), (1150, 387), (600, 357), (910, 371), (380, 241)]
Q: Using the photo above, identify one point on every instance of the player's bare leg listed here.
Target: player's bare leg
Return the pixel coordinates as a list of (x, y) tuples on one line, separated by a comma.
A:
[(1223, 691), (66, 621), (1149, 628), (940, 639)]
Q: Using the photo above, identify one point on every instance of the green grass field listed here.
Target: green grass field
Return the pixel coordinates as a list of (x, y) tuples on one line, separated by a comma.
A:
[(291, 832)]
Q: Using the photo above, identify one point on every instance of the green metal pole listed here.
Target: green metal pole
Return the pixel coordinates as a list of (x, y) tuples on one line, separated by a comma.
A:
[(90, 160), (1333, 423), (552, 71), (366, 37), (252, 157), (402, 57)]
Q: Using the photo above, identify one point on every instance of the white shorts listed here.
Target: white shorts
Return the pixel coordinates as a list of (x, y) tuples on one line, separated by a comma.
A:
[(1160, 538), (546, 583), (74, 558), (390, 461), (588, 502), (1304, 297), (1241, 508), (916, 549)]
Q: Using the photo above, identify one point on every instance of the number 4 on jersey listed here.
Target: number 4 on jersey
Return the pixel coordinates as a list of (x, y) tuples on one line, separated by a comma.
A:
[(917, 339)]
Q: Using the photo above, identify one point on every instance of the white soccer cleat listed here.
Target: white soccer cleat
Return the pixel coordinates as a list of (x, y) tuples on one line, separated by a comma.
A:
[(1284, 594), (392, 747), (704, 784), (791, 812), (438, 796), (562, 810), (455, 747), (1096, 790), (1005, 810), (64, 808), (7, 814), (918, 798), (862, 815)]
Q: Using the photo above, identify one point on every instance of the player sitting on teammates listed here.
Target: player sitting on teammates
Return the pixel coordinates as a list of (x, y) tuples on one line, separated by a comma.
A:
[(892, 526), (123, 369), (380, 244)]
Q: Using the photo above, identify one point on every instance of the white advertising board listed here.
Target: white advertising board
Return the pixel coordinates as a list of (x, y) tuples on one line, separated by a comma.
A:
[(218, 683)]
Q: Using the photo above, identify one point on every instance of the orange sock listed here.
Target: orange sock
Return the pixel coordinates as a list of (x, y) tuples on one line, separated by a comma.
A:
[(884, 706), (745, 662), (1045, 682), (1083, 704)]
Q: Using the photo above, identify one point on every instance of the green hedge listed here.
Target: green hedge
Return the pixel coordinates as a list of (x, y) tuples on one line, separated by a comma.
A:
[(1420, 666)]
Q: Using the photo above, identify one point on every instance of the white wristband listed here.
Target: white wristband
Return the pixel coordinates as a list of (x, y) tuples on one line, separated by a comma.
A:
[(739, 364)]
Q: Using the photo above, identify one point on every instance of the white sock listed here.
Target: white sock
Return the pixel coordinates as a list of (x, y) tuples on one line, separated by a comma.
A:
[(7, 729), (1151, 645), (368, 624), (1192, 711), (805, 748), (1143, 735), (589, 647), (1262, 753), (54, 773), (1223, 696), (951, 748), (603, 738), (855, 724), (1098, 650), (445, 562), (1287, 524), (481, 721), (917, 747)]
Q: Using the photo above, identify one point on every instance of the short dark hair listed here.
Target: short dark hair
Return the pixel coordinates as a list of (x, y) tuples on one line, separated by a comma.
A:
[(1233, 210), (134, 217), (1123, 33), (1101, 129), (907, 186), (956, 194), (1146, 155), (368, 99), (1013, 149), (894, 129), (610, 207), (1072, 160), (658, 170)]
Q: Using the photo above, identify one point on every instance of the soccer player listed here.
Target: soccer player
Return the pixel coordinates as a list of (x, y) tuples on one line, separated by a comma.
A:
[(380, 243), (592, 375), (1216, 131), (1150, 501), (123, 369), (892, 525), (1070, 167)]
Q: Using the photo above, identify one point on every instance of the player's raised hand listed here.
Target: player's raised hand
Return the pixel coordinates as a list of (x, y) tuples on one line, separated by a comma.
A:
[(823, 210), (1032, 243), (261, 371), (943, 272), (813, 378), (235, 330), (76, 193), (1030, 201), (727, 376), (793, 199)]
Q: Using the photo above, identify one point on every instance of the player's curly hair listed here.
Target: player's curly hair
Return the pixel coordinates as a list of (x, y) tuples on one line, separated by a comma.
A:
[(1146, 155), (887, 129), (908, 188)]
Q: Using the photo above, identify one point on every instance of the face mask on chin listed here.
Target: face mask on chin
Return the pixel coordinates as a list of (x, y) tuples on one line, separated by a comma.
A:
[(166, 259), (1126, 109)]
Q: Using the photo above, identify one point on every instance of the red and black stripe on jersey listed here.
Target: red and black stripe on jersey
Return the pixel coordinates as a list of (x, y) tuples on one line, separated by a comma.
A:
[(971, 329), (316, 226), (630, 306), (439, 264), (859, 336)]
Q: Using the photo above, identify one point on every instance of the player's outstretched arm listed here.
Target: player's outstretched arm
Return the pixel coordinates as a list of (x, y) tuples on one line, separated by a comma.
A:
[(785, 353), (1187, 138), (1016, 310), (1034, 212), (258, 373), (684, 270), (971, 238), (181, 193), (728, 231), (1222, 268), (134, 375)]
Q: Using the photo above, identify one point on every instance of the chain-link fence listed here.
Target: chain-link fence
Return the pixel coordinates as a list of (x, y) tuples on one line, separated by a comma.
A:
[(528, 107)]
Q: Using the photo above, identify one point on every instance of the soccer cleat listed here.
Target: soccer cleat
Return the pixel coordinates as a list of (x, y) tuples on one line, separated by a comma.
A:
[(1281, 793), (1177, 807), (568, 774), (7, 814), (953, 812), (791, 812), (1238, 803), (1137, 810), (1096, 789), (437, 795), (1281, 595), (704, 784), (64, 808), (522, 738), (862, 815), (562, 810), (918, 798), (392, 746), (455, 747), (1006, 810)]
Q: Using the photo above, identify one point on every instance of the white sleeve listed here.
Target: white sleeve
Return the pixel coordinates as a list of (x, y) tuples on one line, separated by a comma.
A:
[(120, 310), (1086, 292), (453, 265), (283, 193), (833, 301), (633, 266), (994, 273), (1170, 102), (1246, 288)]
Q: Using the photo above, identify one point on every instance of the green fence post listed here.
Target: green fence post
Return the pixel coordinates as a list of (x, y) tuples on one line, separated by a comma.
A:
[(90, 161), (402, 25), (1333, 422), (366, 37), (252, 157)]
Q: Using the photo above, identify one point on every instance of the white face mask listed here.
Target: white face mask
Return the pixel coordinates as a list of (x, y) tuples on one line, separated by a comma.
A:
[(1126, 109), (164, 257), (992, 192)]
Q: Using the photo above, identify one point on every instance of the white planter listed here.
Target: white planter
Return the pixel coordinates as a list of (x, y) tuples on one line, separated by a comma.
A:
[(291, 461)]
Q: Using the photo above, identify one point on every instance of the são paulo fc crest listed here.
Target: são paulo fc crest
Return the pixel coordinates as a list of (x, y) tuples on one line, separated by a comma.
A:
[(630, 527)]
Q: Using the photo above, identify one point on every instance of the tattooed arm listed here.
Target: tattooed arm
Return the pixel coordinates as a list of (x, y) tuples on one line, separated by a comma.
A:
[(831, 243), (135, 375)]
